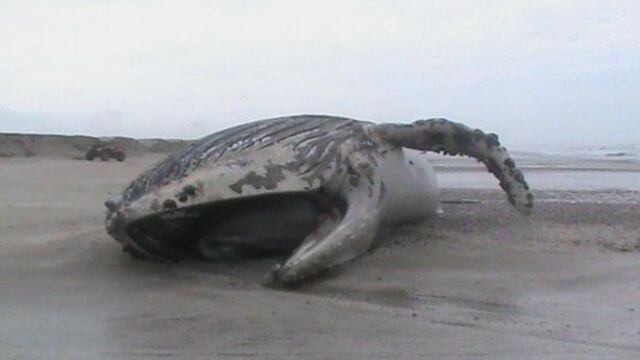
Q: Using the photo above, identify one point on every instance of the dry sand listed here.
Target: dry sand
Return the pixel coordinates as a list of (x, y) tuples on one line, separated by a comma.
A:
[(477, 282)]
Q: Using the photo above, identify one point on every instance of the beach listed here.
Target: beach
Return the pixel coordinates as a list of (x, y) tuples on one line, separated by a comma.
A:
[(478, 281)]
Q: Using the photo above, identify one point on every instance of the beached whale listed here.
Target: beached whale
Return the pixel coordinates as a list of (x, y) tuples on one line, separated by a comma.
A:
[(316, 187)]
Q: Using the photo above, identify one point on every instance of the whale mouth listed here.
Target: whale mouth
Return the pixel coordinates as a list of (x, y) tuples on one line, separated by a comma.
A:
[(268, 224)]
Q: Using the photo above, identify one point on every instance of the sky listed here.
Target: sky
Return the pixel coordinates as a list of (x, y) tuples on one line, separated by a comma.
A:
[(535, 72)]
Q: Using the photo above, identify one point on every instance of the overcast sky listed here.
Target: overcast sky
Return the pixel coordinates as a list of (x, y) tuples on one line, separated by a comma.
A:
[(532, 71)]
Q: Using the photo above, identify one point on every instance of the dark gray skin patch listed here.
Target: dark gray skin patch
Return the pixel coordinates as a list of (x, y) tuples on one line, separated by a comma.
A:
[(492, 140), (478, 135), (510, 163), (274, 174), (431, 139), (463, 139), (494, 169), (383, 193), (169, 204), (187, 192)]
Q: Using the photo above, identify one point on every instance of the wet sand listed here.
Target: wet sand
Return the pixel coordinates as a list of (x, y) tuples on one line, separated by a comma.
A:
[(479, 281)]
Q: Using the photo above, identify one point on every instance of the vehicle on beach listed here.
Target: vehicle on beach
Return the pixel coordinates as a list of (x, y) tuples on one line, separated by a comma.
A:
[(105, 152)]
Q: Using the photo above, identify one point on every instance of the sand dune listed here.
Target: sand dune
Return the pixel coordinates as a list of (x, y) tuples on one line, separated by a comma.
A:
[(70, 147)]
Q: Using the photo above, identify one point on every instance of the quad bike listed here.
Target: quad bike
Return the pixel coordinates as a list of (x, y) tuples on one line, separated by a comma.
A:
[(105, 152)]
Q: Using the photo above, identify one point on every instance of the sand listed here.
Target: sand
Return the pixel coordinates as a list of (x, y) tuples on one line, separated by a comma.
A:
[(477, 282)]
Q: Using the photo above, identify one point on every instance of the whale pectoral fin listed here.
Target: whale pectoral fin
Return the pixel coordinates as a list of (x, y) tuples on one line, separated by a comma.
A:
[(452, 138), (338, 238)]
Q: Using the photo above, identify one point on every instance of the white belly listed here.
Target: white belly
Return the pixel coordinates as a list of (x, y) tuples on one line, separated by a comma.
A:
[(411, 187)]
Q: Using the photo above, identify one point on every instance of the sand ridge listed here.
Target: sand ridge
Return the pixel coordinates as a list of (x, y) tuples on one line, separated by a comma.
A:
[(75, 146)]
